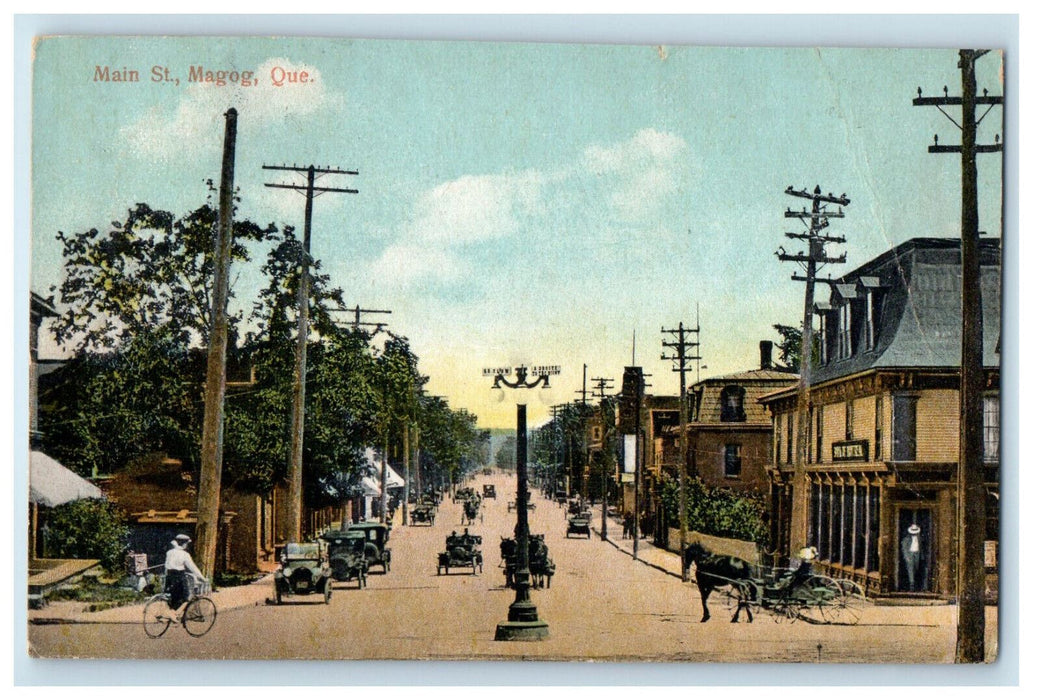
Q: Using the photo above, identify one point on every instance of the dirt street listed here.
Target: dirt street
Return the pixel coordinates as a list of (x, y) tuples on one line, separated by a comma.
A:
[(602, 605)]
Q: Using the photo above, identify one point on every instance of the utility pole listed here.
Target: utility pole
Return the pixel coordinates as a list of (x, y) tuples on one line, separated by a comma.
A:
[(208, 504), (584, 433), (602, 384), (971, 495), (814, 221), (682, 347), (357, 323), (310, 191)]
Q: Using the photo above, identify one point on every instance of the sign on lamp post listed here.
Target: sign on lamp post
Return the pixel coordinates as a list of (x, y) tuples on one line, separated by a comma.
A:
[(522, 623)]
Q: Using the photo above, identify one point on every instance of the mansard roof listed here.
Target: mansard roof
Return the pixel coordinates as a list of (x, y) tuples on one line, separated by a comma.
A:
[(918, 287)]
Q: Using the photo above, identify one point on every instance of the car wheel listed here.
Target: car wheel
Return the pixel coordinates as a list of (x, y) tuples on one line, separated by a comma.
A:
[(328, 592), (277, 595)]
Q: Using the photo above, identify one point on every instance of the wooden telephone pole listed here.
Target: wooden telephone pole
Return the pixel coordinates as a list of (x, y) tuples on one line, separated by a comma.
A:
[(310, 191), (682, 347), (815, 221), (207, 529), (602, 384), (971, 494)]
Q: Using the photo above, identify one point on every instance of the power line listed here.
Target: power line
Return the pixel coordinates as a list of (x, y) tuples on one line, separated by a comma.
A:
[(310, 191), (971, 496), (815, 220)]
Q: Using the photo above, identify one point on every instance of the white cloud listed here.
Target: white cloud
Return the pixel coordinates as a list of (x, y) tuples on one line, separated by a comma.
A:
[(200, 112), (648, 147), (637, 174), (475, 208)]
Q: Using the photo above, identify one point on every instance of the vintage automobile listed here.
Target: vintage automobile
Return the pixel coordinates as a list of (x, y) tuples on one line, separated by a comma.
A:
[(511, 506), (489, 491), (424, 513), (463, 494), (304, 571), (376, 536), (346, 551), (461, 551), (580, 525)]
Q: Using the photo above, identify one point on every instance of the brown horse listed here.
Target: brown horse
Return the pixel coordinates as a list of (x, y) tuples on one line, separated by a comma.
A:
[(717, 571)]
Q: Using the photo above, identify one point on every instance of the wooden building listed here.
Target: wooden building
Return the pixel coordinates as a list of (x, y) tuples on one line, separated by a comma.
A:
[(883, 429)]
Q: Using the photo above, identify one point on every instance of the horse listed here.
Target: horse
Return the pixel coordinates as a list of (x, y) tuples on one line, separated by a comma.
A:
[(470, 510), (717, 571)]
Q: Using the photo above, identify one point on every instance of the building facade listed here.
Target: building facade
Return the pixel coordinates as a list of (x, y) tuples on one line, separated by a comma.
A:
[(880, 497)]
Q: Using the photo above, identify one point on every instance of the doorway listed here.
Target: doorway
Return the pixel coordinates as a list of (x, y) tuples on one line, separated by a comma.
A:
[(915, 550)]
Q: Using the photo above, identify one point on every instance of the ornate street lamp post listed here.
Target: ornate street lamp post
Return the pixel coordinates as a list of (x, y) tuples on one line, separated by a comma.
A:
[(522, 623)]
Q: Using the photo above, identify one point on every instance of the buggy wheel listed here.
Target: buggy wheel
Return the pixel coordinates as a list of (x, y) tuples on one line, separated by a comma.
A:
[(847, 608), (199, 616), (156, 616), (815, 597)]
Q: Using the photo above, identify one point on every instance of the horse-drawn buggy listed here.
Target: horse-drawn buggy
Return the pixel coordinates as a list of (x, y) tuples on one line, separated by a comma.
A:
[(461, 551), (539, 563), (423, 513), (346, 551), (788, 594)]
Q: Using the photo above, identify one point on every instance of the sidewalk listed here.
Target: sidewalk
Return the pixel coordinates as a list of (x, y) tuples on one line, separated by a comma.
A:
[(655, 557), (73, 612)]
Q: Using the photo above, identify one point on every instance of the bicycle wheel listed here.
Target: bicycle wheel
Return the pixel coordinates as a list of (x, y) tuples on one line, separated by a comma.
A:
[(156, 616), (199, 616)]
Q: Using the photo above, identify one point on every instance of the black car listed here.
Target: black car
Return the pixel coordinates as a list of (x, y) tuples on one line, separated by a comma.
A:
[(346, 550), (304, 571)]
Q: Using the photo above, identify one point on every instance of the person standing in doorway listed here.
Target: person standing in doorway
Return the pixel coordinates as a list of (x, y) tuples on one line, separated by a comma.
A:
[(912, 550)]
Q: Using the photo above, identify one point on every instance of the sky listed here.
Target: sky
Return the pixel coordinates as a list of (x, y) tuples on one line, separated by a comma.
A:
[(520, 203)]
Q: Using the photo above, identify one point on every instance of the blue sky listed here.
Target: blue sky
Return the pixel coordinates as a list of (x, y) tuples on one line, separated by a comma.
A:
[(522, 202)]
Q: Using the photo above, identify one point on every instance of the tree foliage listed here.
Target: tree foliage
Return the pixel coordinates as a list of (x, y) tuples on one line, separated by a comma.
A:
[(790, 347), (150, 271), (716, 511), (90, 528)]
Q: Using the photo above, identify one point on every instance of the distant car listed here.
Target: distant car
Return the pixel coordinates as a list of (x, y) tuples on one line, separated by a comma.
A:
[(304, 571), (376, 536), (489, 491)]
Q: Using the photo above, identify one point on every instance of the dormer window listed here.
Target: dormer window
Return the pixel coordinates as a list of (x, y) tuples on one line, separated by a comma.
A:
[(845, 331), (869, 317), (732, 400)]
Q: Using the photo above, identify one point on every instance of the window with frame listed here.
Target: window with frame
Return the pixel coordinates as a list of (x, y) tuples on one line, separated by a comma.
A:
[(819, 434), (869, 321), (845, 331), (732, 461), (790, 436), (823, 338), (878, 427), (732, 400), (990, 428), (904, 428)]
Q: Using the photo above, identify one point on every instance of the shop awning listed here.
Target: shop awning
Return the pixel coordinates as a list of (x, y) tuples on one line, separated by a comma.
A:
[(370, 487), (51, 484)]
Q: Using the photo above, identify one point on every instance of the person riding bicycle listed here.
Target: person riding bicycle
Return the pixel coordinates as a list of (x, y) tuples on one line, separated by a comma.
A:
[(179, 566)]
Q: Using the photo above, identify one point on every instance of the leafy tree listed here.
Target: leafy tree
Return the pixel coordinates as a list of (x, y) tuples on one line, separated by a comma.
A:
[(716, 511), (790, 347), (90, 528), (152, 270), (104, 411)]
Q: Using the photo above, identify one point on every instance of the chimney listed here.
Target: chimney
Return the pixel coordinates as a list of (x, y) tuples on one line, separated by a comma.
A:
[(765, 350)]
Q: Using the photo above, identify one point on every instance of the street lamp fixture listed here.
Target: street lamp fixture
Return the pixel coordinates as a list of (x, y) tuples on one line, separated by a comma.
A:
[(522, 623)]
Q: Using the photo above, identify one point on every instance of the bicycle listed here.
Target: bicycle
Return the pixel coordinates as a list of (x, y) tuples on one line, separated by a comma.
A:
[(200, 613)]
